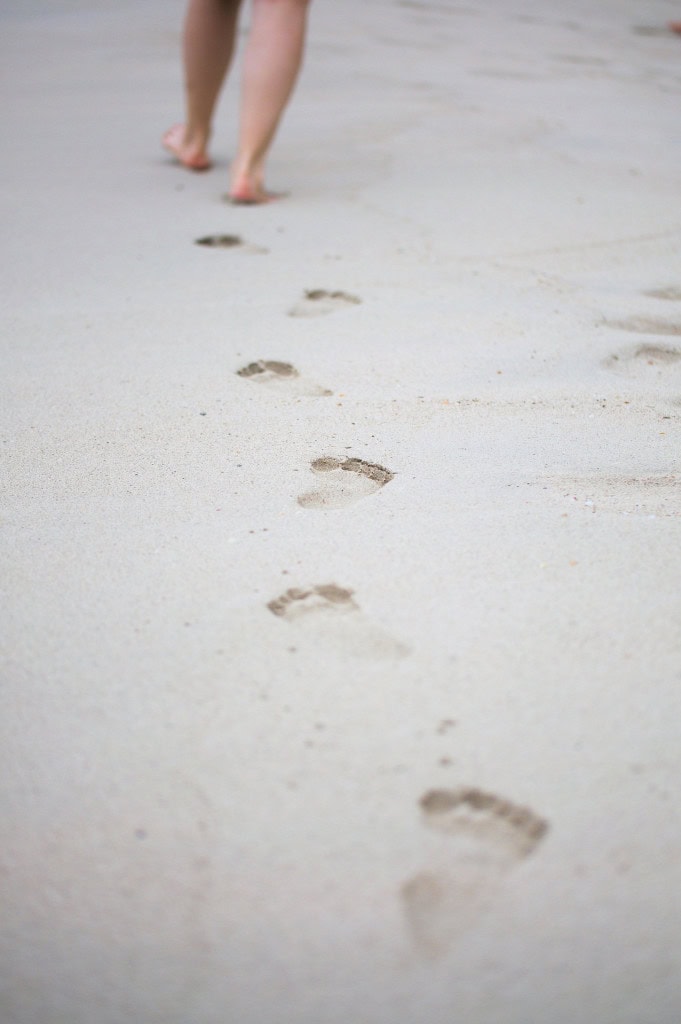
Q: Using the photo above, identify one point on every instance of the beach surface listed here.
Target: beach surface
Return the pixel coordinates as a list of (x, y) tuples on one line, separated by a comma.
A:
[(341, 561)]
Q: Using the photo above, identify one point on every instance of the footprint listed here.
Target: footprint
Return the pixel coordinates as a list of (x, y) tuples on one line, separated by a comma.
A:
[(671, 294), (344, 481), (657, 354), (483, 837), (317, 302), (651, 30), (646, 325), (228, 242), (644, 360), (334, 622), (272, 372), (650, 495)]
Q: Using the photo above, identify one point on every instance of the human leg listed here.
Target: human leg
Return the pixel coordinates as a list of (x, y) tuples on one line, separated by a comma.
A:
[(208, 44), (271, 64)]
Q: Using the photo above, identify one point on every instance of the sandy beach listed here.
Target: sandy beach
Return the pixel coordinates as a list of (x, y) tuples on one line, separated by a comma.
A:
[(341, 562)]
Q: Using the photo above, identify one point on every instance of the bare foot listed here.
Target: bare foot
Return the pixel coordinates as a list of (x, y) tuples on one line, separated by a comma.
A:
[(675, 26), (252, 198), (248, 188), (245, 193), (190, 154)]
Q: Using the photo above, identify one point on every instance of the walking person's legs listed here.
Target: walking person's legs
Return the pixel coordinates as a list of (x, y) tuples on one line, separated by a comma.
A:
[(271, 64), (208, 44)]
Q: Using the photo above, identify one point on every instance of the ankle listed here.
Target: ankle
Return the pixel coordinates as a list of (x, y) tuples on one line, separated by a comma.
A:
[(196, 137), (247, 168)]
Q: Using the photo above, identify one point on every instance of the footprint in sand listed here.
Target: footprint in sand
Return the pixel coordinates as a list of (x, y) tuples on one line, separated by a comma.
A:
[(228, 242), (654, 494), (671, 294), (344, 481), (281, 376), (658, 354), (645, 360), (318, 302), (482, 838), (651, 30), (335, 622), (646, 325)]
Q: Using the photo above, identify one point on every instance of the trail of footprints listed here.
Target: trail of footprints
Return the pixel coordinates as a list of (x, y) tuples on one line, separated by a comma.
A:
[(480, 837), (342, 481), (651, 494), (485, 836), (649, 354), (330, 609), (649, 357)]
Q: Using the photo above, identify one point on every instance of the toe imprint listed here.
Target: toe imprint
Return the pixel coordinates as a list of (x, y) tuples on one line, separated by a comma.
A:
[(220, 241), (455, 811), (344, 481), (326, 597), (379, 474), (282, 375), (229, 242), (318, 301), (268, 369)]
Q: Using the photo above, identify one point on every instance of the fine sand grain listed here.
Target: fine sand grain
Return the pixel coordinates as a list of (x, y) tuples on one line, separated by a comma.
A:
[(340, 538)]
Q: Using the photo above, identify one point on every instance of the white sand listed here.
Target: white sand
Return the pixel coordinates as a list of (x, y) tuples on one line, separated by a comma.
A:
[(211, 808)]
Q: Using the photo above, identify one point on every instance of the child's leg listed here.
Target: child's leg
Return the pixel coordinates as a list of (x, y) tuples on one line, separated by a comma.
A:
[(208, 42), (271, 63)]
